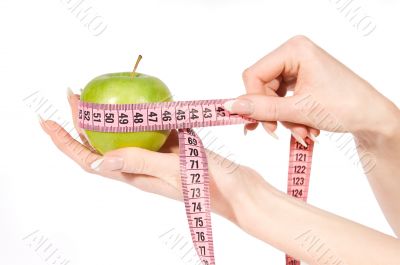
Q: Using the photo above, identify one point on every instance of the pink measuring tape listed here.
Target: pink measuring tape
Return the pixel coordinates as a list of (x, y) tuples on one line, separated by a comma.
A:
[(184, 115)]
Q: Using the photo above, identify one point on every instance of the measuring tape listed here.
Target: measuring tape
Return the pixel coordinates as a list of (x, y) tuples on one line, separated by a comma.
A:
[(300, 158), (184, 115)]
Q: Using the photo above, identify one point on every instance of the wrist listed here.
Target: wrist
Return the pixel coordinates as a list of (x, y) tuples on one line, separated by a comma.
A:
[(254, 202), (380, 143), (385, 132)]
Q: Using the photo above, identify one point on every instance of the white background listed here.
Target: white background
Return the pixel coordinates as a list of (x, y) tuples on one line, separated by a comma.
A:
[(199, 49)]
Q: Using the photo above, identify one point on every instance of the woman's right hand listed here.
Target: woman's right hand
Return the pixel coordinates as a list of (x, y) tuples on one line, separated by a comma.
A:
[(326, 94)]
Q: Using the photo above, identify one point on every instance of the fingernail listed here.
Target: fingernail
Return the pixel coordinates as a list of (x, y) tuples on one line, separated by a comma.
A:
[(273, 134), (41, 120), (108, 164), (96, 164), (69, 93), (313, 137), (239, 106), (299, 139), (245, 131)]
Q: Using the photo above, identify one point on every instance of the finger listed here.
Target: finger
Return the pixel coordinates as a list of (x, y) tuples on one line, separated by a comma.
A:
[(135, 160), (299, 131), (288, 84), (82, 156), (282, 90), (260, 87), (313, 134), (69, 146), (151, 184), (171, 144), (285, 61), (270, 128), (272, 85), (250, 127), (267, 108), (278, 62), (270, 90), (314, 131), (73, 100)]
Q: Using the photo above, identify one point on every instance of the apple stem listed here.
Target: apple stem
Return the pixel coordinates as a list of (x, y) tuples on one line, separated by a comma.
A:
[(136, 66)]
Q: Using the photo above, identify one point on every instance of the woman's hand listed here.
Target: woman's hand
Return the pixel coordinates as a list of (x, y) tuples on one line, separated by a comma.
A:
[(239, 194), (157, 172), (326, 94)]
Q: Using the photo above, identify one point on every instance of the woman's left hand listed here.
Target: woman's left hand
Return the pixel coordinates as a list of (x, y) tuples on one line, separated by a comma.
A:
[(157, 172)]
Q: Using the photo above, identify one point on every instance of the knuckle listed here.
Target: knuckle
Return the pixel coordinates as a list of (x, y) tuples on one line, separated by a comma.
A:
[(247, 74), (88, 159), (86, 168), (135, 161), (274, 111), (269, 111), (78, 151), (85, 161), (301, 42), (140, 165)]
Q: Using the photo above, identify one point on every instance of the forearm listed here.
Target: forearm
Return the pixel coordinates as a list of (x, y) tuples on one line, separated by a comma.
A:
[(383, 171), (311, 234)]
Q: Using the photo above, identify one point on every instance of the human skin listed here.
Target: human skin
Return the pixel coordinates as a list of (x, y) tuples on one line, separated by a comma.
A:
[(243, 196), (354, 104)]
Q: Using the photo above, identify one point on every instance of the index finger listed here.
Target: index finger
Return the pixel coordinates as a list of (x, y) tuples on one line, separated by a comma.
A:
[(284, 61)]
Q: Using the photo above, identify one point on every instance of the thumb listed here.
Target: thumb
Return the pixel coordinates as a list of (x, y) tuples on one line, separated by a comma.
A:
[(136, 160), (267, 108)]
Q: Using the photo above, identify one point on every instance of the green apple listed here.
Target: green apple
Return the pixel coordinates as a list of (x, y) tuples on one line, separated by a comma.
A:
[(126, 88)]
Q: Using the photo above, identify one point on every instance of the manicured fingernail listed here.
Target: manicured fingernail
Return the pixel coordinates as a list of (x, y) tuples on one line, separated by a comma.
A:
[(41, 120), (42, 123), (299, 139), (245, 131), (239, 106), (273, 134), (108, 164), (313, 137), (69, 93), (96, 164)]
